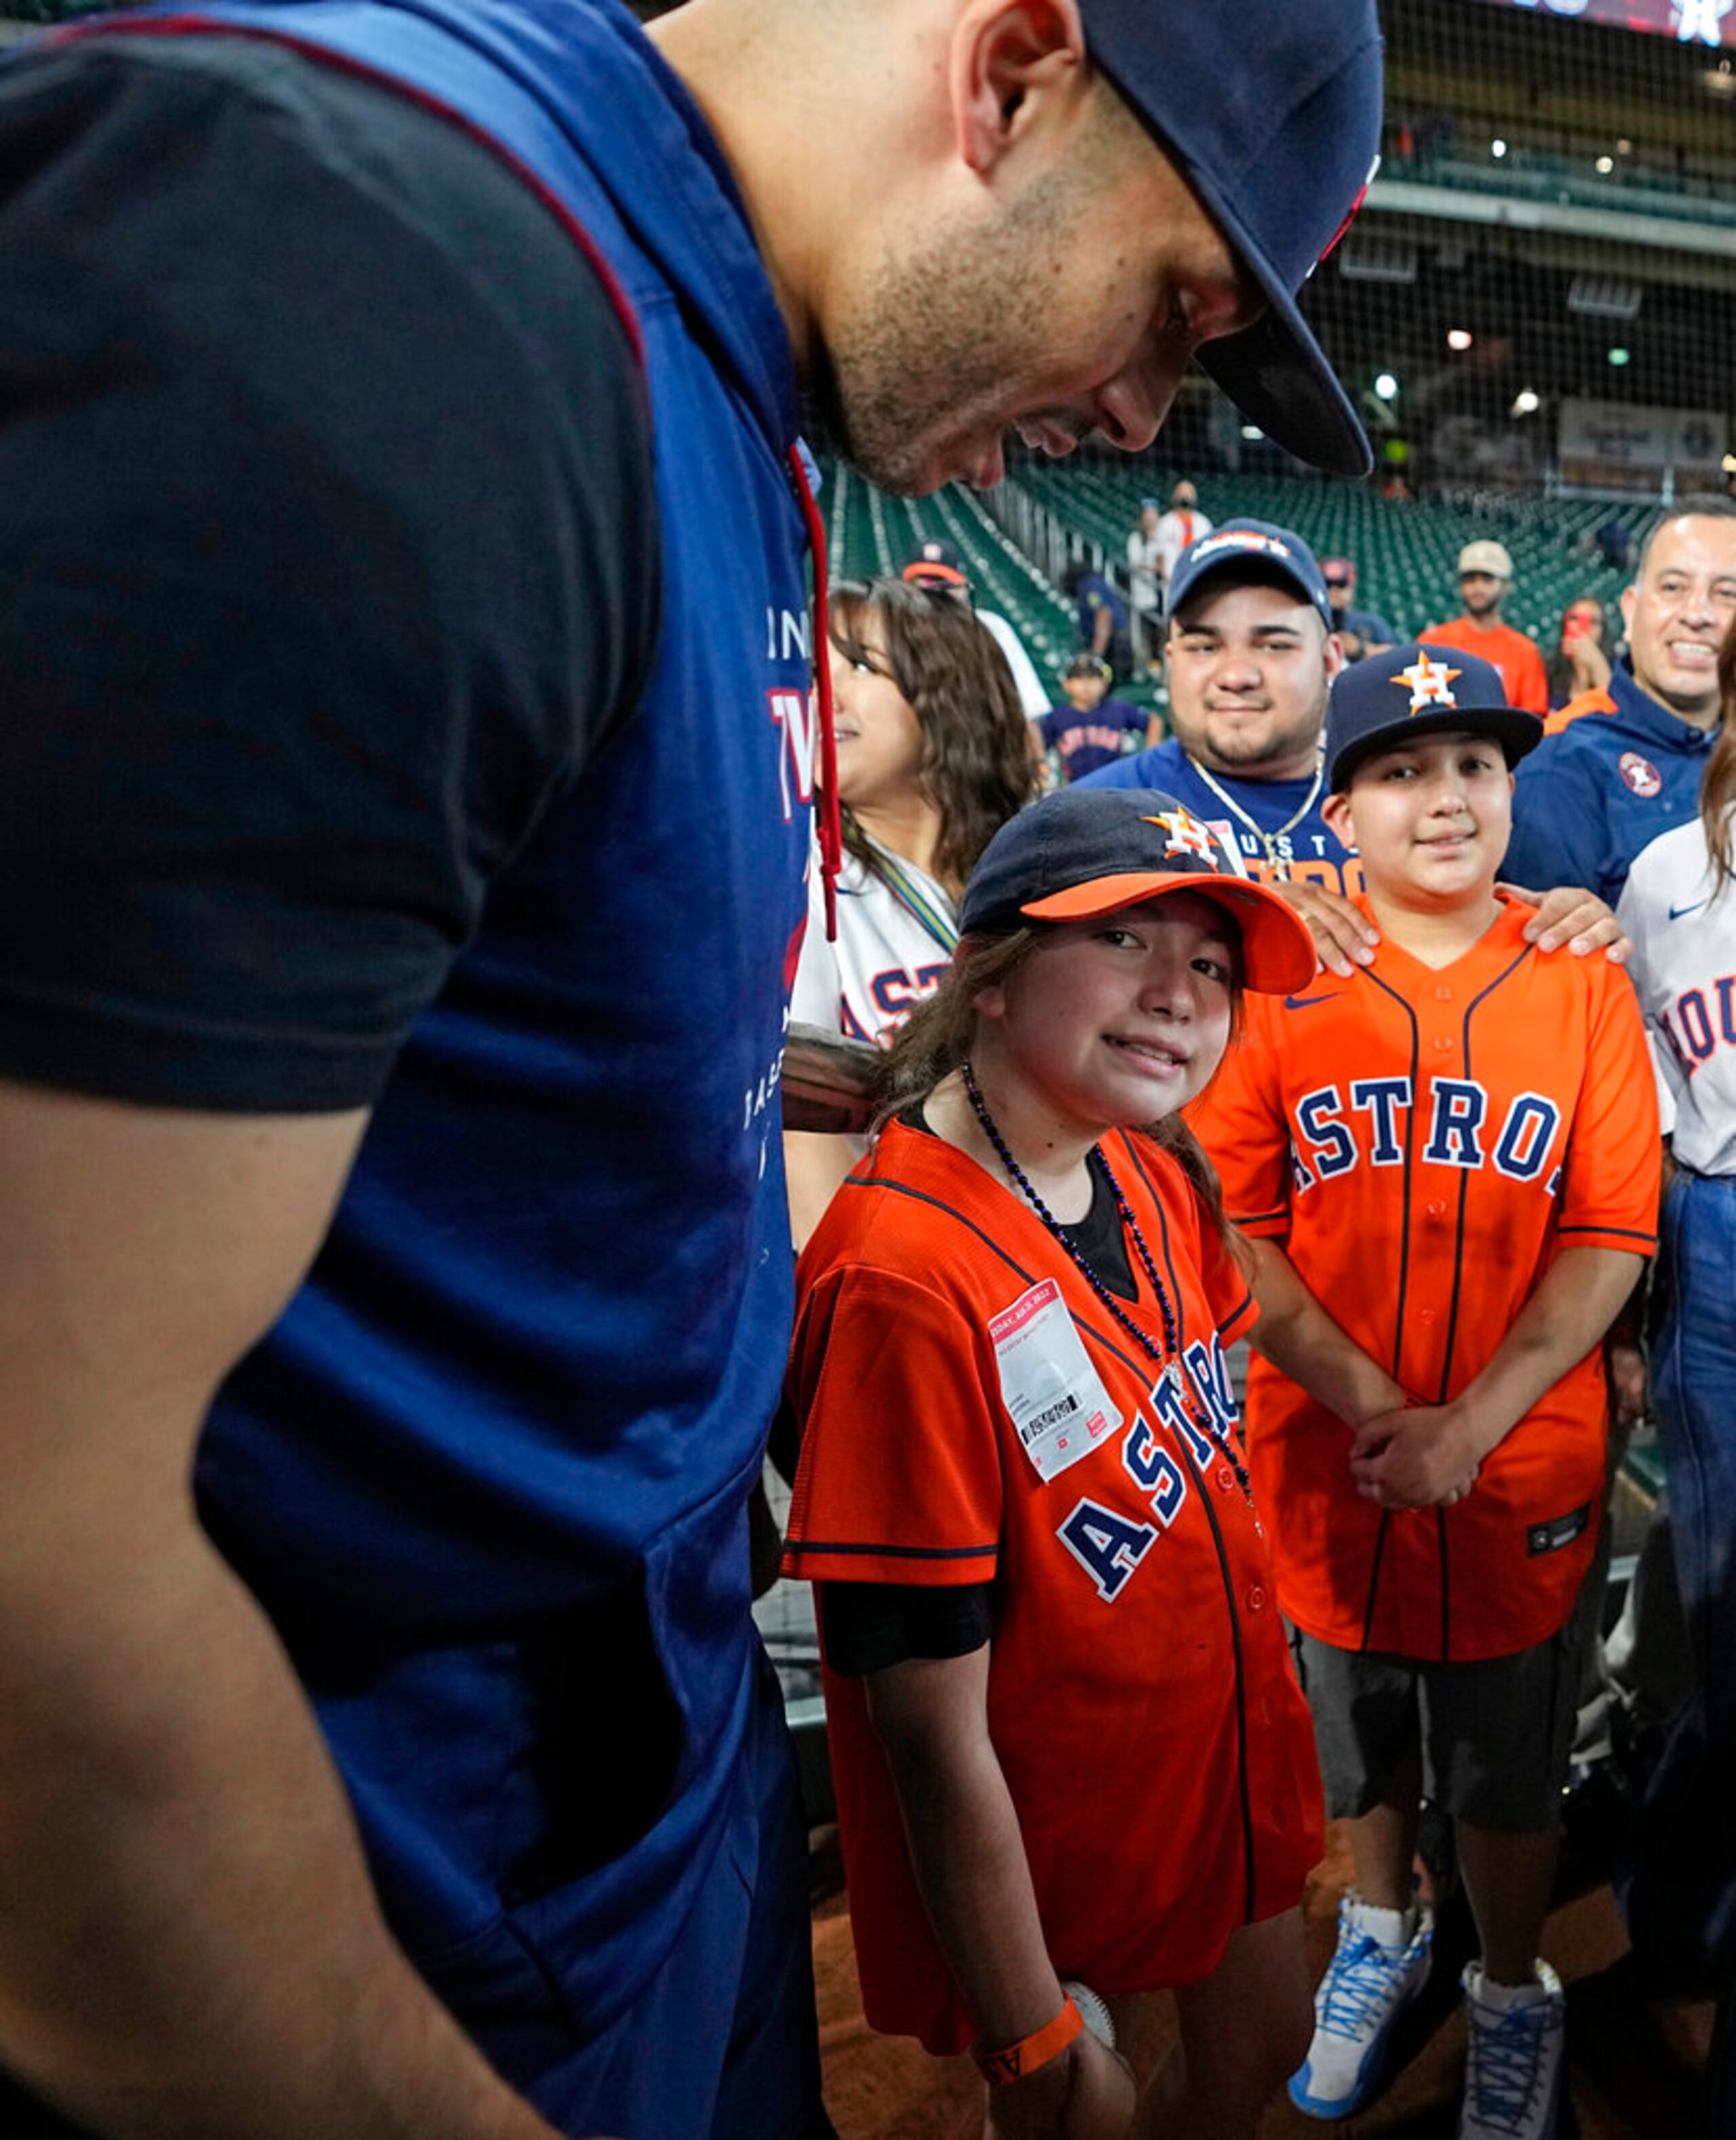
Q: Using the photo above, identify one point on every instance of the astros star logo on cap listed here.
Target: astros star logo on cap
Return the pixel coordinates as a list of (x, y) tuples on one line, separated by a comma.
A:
[(1429, 681), (1184, 835)]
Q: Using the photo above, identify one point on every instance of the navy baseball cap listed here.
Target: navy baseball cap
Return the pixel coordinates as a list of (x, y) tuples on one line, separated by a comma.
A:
[(1252, 549), (1274, 114), (1087, 851), (1416, 691), (937, 564)]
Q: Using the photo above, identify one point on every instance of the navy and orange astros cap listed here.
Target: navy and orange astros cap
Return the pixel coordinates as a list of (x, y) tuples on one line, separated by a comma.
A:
[(1417, 691), (937, 565), (1251, 550), (1273, 115), (1088, 852)]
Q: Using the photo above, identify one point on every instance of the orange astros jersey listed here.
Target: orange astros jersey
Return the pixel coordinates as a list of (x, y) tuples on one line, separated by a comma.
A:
[(1423, 1140), (969, 1413)]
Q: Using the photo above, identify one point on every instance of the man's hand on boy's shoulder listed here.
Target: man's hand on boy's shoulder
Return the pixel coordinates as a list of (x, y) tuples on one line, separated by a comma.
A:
[(1424, 1456), (1344, 936), (1572, 915)]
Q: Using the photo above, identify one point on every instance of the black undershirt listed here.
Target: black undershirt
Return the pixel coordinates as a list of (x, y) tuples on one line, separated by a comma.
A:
[(871, 1626), (329, 557)]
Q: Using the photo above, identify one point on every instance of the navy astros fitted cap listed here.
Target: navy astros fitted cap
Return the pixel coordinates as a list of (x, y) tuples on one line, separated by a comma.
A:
[(937, 564), (1254, 550), (1273, 111), (1087, 851), (1415, 690)]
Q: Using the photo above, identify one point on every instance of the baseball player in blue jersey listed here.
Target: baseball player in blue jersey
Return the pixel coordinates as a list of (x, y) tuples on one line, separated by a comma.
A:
[(1251, 652), (409, 750)]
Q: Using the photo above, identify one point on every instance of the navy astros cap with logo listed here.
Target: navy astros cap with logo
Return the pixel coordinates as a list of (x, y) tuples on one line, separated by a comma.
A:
[(1088, 851), (1251, 550), (1273, 111), (937, 564), (1417, 691)]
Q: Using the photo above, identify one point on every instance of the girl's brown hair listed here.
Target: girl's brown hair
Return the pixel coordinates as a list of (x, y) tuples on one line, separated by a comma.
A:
[(1717, 782), (977, 768), (938, 1037)]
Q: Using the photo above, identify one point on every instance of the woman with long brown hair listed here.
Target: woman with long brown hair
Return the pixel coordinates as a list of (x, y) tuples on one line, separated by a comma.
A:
[(933, 758)]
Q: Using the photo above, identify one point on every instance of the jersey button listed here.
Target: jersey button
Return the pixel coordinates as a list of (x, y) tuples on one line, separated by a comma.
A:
[(1443, 1041), (1437, 1207), (1425, 1315), (1256, 1598), (1226, 1477), (1443, 994)]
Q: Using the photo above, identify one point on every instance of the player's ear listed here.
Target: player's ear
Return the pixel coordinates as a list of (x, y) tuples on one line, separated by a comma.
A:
[(1630, 595), (1336, 811), (1011, 60), (1335, 654)]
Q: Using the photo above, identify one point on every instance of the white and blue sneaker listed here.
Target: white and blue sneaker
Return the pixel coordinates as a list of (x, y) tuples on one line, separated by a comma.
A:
[(1380, 1965), (1514, 2041)]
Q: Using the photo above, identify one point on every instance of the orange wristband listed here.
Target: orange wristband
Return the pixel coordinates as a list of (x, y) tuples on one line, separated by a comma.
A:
[(998, 2067)]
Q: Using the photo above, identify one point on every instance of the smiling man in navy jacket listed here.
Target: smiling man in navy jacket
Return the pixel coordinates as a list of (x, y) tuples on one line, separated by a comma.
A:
[(407, 771)]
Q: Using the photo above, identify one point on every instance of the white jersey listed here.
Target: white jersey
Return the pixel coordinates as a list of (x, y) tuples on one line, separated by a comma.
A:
[(1178, 528), (886, 959), (1146, 569), (1684, 969), (1031, 695)]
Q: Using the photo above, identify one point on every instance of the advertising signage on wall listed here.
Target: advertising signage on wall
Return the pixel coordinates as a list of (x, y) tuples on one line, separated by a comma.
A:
[(1690, 22)]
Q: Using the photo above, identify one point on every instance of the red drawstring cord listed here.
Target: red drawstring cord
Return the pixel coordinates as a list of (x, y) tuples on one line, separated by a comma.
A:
[(831, 831)]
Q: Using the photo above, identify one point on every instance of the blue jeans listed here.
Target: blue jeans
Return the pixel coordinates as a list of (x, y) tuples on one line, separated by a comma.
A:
[(1694, 1389)]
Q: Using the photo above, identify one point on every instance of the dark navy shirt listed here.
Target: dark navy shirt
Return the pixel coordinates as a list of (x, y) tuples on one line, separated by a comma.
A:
[(1084, 741), (1591, 796)]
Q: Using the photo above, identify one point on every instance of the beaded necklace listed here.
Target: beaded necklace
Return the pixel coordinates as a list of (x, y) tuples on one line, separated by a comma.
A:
[(1170, 1348)]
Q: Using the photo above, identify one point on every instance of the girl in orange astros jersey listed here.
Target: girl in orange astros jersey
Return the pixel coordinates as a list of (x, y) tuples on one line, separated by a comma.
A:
[(1456, 1151), (1066, 1733)]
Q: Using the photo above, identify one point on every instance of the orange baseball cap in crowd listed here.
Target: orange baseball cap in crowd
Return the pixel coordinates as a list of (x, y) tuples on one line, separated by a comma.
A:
[(1089, 851)]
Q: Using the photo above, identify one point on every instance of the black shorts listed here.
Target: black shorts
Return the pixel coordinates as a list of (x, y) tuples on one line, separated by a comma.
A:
[(1489, 1742)]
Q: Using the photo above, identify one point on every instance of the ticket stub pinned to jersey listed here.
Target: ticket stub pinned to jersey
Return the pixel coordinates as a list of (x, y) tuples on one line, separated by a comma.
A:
[(1054, 1397)]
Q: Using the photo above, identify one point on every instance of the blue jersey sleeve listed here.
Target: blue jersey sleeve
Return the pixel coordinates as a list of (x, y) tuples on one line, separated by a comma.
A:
[(1144, 769)]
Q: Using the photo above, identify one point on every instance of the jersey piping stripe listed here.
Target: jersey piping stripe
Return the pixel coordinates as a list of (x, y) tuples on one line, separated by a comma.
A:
[(1398, 1330), (1446, 1616), (903, 1551), (194, 25), (1446, 1366), (1621, 1233), (1373, 1580), (1235, 1617), (1464, 1179)]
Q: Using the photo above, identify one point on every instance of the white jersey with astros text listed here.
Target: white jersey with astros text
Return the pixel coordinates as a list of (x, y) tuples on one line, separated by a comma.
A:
[(885, 960), (1684, 968)]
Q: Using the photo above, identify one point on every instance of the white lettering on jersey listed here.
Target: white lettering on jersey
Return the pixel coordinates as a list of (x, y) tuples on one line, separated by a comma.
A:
[(792, 711), (1328, 1138), (1684, 969), (787, 635)]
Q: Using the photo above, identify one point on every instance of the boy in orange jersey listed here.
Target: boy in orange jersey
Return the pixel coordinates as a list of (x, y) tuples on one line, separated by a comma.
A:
[(1456, 1149)]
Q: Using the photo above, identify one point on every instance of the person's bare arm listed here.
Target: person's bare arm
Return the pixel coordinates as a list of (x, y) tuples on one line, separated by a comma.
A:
[(1302, 1341), (1411, 1459), (189, 1942), (814, 1168), (931, 1717)]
